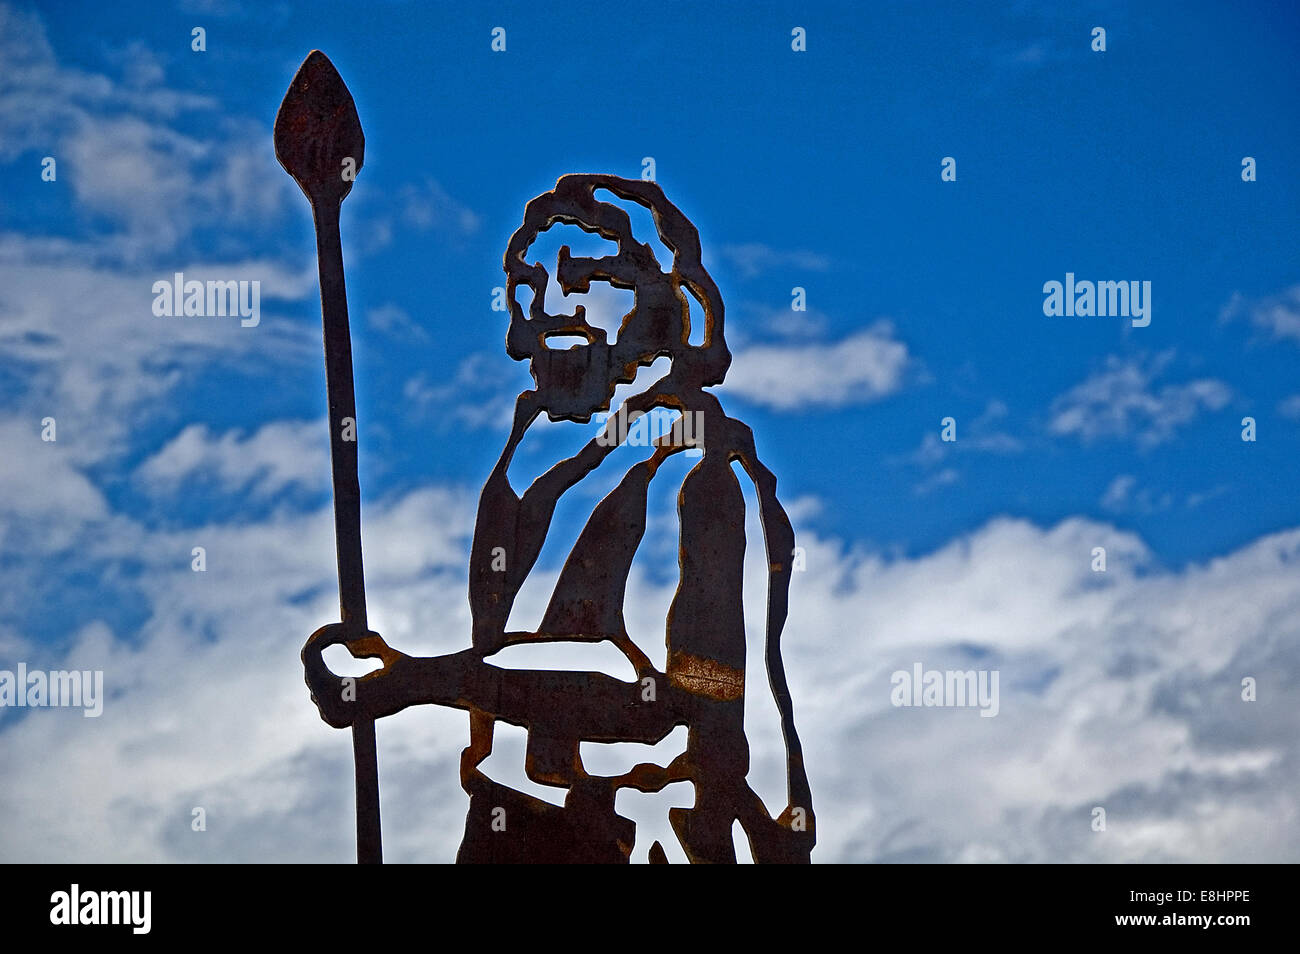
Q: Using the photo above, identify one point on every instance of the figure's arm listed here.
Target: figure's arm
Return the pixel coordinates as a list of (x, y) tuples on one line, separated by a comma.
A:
[(581, 705), (778, 535)]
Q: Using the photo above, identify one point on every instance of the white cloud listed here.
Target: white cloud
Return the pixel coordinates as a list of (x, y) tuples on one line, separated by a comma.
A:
[(864, 367), (78, 329), (1121, 401), (46, 500), (1124, 495), (394, 321), (278, 456), (204, 704), (423, 206), (93, 355), (43, 101), (480, 395), (1278, 315), (1118, 689), (157, 170), (978, 435), (121, 148), (427, 205), (755, 258), (749, 320), (1118, 491), (942, 478)]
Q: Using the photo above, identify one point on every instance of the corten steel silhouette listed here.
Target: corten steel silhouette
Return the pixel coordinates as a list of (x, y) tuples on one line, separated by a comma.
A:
[(704, 683)]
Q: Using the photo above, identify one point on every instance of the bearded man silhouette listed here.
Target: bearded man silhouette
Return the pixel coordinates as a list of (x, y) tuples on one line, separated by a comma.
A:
[(703, 684)]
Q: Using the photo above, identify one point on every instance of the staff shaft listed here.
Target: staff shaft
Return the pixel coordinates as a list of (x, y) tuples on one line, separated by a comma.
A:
[(347, 503)]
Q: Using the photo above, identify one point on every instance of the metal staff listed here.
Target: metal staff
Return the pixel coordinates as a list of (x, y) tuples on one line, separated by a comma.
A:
[(319, 142)]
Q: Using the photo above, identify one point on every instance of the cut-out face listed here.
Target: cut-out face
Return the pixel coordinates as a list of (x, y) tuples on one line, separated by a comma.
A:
[(576, 379)]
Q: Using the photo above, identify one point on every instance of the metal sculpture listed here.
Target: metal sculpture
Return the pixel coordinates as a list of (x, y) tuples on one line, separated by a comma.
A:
[(318, 137)]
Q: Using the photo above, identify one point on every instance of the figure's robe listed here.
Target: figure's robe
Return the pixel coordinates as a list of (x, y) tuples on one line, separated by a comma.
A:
[(704, 683)]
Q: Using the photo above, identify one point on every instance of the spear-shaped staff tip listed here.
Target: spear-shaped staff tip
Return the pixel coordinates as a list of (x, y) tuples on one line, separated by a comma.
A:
[(317, 130)]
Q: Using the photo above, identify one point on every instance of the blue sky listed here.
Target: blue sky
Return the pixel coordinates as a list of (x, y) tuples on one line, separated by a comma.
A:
[(817, 169)]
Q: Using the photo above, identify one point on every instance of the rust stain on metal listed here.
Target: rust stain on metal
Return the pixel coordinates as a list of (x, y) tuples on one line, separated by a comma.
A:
[(703, 687), (705, 677)]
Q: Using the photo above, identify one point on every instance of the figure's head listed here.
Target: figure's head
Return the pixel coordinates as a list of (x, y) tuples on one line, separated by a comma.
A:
[(574, 382)]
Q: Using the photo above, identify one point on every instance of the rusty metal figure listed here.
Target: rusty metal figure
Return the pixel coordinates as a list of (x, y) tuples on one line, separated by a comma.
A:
[(704, 683)]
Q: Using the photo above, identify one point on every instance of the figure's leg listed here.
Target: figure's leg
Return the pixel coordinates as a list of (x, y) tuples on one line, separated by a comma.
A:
[(718, 753)]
